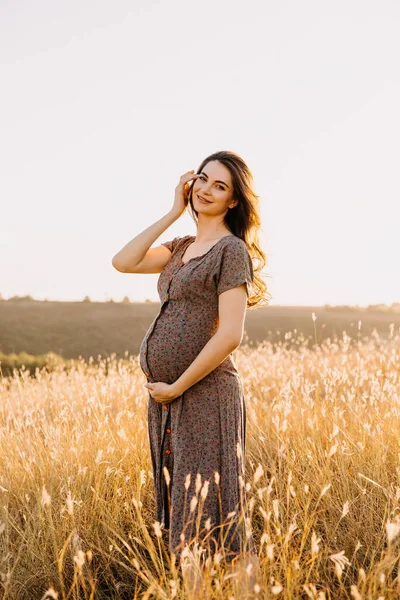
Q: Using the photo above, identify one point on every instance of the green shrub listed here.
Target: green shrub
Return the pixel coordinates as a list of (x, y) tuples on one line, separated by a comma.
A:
[(28, 362)]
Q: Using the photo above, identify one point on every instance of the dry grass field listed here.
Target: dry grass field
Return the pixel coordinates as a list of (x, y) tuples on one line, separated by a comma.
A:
[(322, 479)]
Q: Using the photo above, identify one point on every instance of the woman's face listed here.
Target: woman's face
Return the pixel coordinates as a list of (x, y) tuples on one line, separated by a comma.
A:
[(214, 184)]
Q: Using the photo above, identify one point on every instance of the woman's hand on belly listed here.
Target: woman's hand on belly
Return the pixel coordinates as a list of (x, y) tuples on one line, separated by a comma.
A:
[(162, 392)]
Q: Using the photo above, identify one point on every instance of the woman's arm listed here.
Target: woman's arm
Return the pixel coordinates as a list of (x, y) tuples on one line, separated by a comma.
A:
[(134, 252)]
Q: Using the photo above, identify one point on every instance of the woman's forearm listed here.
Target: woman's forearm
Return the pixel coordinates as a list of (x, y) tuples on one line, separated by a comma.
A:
[(211, 356), (134, 251)]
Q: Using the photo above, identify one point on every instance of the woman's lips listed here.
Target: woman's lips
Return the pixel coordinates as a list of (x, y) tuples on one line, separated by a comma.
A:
[(202, 200)]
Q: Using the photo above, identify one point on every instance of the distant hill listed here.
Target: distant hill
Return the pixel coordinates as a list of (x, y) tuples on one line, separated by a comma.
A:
[(73, 329)]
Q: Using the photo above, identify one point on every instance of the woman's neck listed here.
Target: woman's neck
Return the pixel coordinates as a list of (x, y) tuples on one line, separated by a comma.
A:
[(207, 232)]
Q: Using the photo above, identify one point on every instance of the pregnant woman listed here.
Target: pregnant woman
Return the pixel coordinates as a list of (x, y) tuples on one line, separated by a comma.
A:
[(196, 409)]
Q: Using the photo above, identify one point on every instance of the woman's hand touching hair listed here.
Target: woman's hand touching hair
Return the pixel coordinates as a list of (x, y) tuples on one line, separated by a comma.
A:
[(182, 192)]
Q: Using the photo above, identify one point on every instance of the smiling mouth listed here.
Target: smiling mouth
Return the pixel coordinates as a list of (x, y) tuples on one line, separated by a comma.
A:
[(203, 200)]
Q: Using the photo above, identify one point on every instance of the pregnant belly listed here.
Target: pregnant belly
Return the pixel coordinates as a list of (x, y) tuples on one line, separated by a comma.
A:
[(170, 345)]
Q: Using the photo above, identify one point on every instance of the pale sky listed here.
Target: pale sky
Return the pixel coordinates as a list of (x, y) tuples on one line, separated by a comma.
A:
[(104, 105)]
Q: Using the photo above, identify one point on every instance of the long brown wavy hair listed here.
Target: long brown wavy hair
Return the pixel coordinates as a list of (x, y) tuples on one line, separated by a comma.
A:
[(243, 220)]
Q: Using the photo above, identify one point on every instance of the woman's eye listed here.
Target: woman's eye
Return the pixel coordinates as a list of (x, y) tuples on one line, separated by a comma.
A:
[(219, 186)]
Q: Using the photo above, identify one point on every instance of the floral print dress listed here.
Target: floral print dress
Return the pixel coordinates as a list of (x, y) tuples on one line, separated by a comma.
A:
[(200, 436)]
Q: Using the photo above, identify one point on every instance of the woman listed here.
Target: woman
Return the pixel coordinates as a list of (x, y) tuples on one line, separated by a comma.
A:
[(196, 410)]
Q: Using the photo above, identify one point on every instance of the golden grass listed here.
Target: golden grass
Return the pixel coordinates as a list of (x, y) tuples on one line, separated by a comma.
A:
[(323, 478)]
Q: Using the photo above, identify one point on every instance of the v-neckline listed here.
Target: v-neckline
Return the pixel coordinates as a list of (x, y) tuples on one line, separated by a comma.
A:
[(201, 255)]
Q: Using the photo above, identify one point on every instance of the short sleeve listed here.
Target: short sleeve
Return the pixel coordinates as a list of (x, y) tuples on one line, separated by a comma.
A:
[(171, 245), (235, 267)]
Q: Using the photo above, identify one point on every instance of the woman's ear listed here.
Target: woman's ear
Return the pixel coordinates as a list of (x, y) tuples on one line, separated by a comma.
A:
[(233, 203)]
